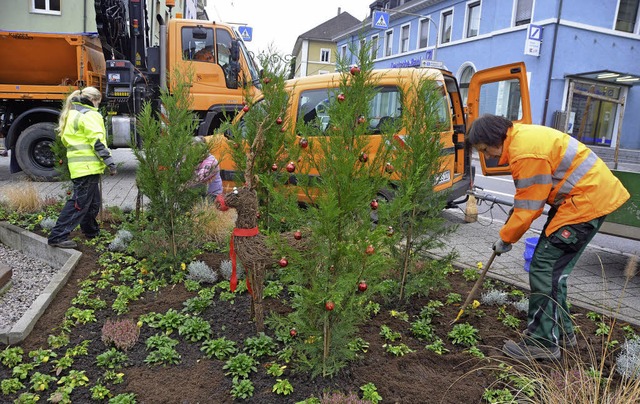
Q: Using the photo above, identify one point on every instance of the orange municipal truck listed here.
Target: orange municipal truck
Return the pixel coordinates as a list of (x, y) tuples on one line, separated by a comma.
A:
[(39, 70)]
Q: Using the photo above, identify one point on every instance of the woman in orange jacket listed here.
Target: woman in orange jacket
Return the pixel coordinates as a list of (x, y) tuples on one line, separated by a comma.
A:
[(548, 167)]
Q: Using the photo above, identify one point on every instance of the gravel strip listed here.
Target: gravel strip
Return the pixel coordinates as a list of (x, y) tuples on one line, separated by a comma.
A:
[(30, 278)]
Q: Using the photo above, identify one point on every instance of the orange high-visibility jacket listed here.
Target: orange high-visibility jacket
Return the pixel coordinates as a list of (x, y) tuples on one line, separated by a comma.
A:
[(549, 166)]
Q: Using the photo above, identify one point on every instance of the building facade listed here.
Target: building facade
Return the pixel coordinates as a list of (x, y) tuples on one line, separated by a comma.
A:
[(582, 56)]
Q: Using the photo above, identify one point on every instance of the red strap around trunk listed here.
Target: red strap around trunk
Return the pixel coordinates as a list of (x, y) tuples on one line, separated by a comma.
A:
[(232, 252)]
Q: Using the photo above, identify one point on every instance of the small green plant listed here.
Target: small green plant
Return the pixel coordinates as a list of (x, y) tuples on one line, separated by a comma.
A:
[(221, 348), (11, 386), (397, 350), (464, 334), (99, 392), (27, 398), (22, 370), (74, 379), (272, 289), (112, 359), (453, 298), (262, 345), (113, 377), (372, 308), (160, 341), (358, 345), (275, 370), (511, 321), (80, 316), (41, 355), (195, 329), (470, 274), (475, 352), (593, 316), (40, 381), (124, 398), (370, 393), (163, 355), (402, 315), (240, 366), (63, 363), (423, 329), (498, 396), (196, 305), (242, 389), (10, 357), (58, 341), (283, 387), (602, 329), (437, 346), (79, 350), (388, 334)]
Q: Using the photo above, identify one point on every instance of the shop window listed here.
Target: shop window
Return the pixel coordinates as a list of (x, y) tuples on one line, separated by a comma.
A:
[(46, 6), (473, 19), (627, 16), (446, 23)]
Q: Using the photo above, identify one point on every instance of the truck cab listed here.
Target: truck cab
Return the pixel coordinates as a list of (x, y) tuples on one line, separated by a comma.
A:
[(504, 86)]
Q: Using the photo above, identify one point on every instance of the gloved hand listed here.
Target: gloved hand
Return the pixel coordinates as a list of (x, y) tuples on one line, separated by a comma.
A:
[(113, 170), (501, 247)]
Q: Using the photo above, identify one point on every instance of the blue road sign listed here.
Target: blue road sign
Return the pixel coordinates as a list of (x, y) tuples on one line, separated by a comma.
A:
[(535, 32), (380, 20), (246, 33)]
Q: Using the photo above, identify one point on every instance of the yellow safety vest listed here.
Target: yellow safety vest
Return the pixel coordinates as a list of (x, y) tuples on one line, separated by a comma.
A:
[(83, 128), (549, 166)]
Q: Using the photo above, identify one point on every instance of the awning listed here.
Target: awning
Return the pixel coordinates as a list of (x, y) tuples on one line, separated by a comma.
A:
[(609, 76)]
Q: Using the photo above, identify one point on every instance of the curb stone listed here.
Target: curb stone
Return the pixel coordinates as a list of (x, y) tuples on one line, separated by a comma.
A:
[(33, 245)]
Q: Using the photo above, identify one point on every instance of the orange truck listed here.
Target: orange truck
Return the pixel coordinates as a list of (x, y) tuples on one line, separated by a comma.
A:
[(502, 89), (39, 70)]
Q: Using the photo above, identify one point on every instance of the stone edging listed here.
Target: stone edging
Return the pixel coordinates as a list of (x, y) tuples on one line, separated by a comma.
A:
[(36, 246)]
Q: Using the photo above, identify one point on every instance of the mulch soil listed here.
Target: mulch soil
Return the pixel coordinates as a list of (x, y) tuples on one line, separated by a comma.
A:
[(418, 377)]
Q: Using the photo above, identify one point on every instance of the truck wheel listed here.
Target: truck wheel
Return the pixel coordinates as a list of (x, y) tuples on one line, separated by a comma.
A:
[(34, 154)]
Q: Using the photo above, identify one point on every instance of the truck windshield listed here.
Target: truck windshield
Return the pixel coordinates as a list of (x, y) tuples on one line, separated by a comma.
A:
[(253, 66)]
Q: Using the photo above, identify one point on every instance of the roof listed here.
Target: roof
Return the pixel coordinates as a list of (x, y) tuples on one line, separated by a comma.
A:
[(327, 30)]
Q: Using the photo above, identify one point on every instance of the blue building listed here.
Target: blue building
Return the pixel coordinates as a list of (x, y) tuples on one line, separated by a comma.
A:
[(582, 56)]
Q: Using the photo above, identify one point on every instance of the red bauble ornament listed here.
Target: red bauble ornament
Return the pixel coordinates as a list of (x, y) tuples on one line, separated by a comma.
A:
[(362, 286), (303, 142), (297, 235), (329, 305), (245, 108), (354, 70), (389, 168), (279, 121), (266, 80), (60, 162), (364, 157), (291, 167), (332, 268), (361, 119), (341, 97), (370, 250), (283, 262), (293, 332), (274, 167), (374, 204)]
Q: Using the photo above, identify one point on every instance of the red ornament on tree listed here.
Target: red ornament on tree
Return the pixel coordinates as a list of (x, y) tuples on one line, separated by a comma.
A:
[(303, 142), (389, 168), (291, 167), (361, 119), (283, 262), (279, 121), (266, 80), (341, 97), (362, 286), (274, 167), (363, 157), (374, 204), (297, 235), (329, 305), (354, 70), (370, 250), (293, 332), (245, 108)]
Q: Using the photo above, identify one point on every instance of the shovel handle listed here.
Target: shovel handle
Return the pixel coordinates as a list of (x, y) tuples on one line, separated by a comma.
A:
[(475, 287)]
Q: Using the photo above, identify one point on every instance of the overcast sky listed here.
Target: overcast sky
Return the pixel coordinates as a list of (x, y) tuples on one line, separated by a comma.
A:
[(278, 23)]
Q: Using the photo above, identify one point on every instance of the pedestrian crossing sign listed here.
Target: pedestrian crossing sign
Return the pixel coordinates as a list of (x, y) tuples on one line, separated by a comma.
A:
[(246, 33), (380, 20)]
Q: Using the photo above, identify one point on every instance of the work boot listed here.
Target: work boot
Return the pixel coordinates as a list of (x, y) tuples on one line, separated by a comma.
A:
[(567, 340), (64, 244), (522, 351)]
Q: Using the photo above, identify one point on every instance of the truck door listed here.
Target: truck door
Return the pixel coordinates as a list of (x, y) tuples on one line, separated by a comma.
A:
[(501, 90)]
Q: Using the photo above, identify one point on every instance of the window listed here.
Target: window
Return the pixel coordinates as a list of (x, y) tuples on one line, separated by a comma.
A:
[(473, 19), (325, 55), (446, 22), (45, 6), (523, 11), (197, 44), (627, 15), (404, 39), (343, 52), (465, 79), (501, 98), (388, 45), (423, 36), (374, 47)]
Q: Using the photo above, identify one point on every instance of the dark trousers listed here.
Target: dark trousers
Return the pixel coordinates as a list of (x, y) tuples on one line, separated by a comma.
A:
[(81, 209), (552, 262)]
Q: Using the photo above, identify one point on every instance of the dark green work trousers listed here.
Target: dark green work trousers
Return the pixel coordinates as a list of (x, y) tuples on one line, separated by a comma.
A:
[(552, 262)]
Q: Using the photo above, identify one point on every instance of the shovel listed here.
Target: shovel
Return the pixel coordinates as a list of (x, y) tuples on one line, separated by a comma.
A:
[(475, 287)]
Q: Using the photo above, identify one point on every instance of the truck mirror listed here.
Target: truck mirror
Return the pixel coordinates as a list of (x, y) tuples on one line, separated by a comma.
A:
[(234, 70), (235, 51)]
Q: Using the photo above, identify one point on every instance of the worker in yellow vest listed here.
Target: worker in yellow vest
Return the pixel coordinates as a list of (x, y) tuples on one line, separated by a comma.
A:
[(548, 167), (83, 133)]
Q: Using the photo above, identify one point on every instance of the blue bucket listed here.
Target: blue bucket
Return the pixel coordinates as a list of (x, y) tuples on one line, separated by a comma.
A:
[(529, 247)]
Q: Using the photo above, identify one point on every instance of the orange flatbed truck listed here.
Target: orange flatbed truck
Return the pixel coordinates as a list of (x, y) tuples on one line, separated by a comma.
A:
[(39, 70)]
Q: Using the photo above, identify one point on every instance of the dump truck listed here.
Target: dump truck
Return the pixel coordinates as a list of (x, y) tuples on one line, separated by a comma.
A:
[(45, 67)]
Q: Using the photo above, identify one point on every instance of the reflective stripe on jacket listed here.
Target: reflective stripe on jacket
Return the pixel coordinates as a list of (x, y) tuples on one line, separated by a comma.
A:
[(84, 127), (549, 166)]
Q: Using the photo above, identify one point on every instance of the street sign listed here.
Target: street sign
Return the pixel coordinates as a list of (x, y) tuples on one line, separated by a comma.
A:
[(534, 40), (434, 64), (380, 20), (246, 33)]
